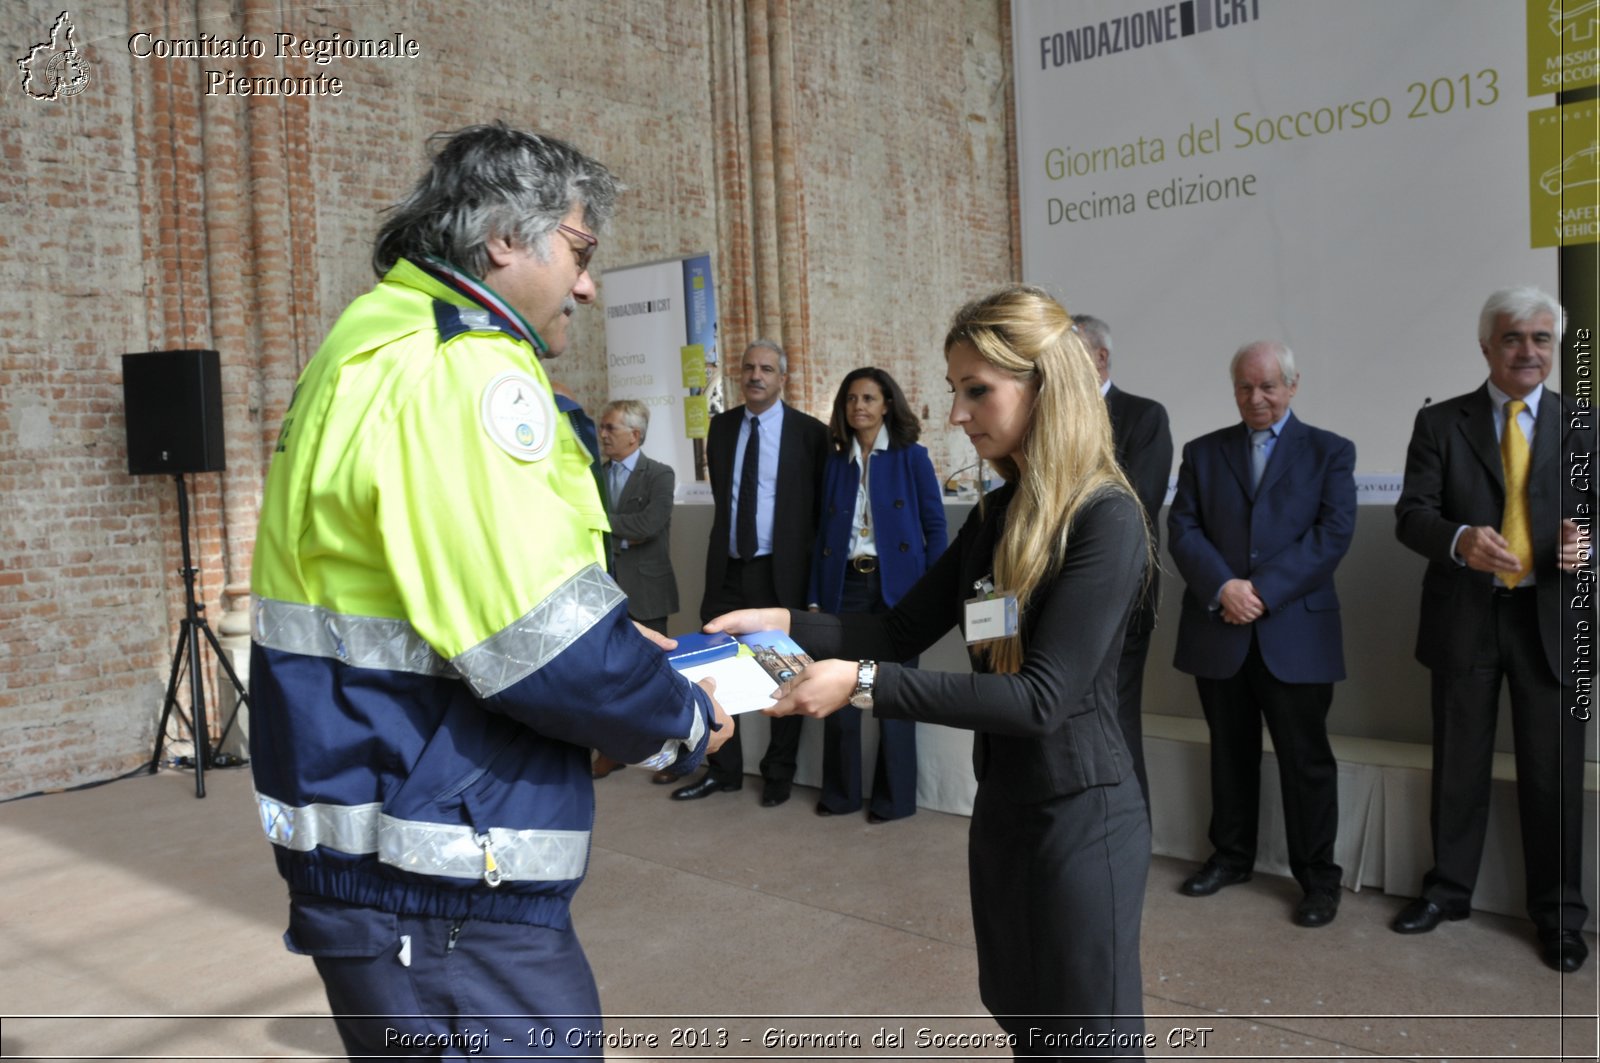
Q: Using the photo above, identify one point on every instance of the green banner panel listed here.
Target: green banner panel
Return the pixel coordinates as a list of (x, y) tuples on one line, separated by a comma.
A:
[(692, 359), (1564, 174), (1563, 45), (696, 417)]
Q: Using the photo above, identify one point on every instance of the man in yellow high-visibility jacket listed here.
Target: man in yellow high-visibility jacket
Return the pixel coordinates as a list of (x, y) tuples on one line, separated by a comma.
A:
[(436, 642)]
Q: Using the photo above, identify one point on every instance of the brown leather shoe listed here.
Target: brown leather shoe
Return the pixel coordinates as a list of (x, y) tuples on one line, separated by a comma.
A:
[(662, 778), (604, 765)]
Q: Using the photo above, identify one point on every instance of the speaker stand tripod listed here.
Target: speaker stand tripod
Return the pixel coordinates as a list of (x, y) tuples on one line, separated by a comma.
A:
[(187, 655)]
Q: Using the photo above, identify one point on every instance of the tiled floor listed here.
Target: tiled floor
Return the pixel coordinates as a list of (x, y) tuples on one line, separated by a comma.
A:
[(724, 919)]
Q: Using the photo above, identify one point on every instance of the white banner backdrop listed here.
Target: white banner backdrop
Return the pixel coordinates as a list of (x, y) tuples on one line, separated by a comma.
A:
[(646, 330), (1350, 178)]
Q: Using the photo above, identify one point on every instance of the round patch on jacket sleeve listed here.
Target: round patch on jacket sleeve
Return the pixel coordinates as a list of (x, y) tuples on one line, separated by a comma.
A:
[(519, 416)]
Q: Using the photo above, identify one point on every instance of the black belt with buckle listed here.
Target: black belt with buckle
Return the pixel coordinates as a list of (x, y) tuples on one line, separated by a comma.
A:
[(865, 564)]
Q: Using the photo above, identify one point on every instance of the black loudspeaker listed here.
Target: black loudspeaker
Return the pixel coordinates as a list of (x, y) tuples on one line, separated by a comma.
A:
[(172, 401)]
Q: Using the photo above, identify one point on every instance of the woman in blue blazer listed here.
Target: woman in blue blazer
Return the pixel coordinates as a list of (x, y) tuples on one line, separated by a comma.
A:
[(882, 527)]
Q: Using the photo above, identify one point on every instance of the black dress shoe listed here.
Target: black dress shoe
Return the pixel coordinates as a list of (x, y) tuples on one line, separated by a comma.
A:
[(774, 794), (1211, 878), (1317, 908), (1422, 915), (1562, 950), (823, 810), (704, 788)]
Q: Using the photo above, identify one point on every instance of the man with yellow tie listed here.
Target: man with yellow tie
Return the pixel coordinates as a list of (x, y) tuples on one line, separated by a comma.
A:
[(1488, 500)]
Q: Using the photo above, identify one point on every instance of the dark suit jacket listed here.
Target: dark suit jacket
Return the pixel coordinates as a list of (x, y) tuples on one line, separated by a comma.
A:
[(643, 516), (907, 523), (802, 453), (1050, 729), (1144, 450), (1287, 540), (1454, 478)]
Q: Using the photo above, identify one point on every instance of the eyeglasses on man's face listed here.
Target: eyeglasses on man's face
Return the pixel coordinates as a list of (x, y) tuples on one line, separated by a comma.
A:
[(589, 244)]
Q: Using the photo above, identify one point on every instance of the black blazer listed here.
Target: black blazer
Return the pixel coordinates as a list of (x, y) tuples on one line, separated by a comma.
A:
[(802, 455), (1144, 450), (1454, 478), (1051, 729)]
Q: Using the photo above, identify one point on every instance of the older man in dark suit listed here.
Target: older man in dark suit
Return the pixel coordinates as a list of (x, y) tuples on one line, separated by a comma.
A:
[(1144, 450), (1488, 500), (1264, 513), (766, 461), (639, 491)]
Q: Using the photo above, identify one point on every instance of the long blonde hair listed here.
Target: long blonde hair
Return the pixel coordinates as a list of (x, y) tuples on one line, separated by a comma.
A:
[(1070, 455)]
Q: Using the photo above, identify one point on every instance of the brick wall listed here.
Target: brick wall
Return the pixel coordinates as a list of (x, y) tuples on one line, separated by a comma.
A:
[(142, 214), (905, 152), (82, 564)]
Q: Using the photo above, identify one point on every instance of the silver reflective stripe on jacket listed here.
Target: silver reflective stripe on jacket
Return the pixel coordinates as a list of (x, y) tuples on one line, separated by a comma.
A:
[(452, 851), (359, 641), (347, 828), (668, 753), (499, 661), (457, 852), (526, 645)]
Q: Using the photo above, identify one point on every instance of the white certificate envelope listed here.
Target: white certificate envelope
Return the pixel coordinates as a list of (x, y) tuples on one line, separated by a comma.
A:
[(742, 684)]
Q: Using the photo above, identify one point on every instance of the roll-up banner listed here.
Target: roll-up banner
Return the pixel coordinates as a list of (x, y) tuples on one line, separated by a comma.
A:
[(661, 348), (1351, 178)]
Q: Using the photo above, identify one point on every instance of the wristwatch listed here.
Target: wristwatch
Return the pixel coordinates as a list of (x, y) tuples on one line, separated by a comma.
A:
[(866, 673)]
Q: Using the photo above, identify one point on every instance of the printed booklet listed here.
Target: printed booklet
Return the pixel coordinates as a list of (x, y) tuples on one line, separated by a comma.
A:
[(747, 669)]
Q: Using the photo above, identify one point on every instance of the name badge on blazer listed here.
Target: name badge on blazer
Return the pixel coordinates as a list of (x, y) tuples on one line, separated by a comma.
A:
[(991, 615)]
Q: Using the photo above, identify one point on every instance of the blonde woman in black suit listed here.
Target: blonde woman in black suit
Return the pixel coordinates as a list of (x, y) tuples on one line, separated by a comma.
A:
[(1060, 847)]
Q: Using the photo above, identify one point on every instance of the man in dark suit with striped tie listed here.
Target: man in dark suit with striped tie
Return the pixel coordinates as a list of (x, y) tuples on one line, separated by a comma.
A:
[(1489, 499), (765, 460)]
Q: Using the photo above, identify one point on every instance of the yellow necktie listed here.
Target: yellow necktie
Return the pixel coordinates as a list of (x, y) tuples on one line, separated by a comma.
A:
[(1514, 524)]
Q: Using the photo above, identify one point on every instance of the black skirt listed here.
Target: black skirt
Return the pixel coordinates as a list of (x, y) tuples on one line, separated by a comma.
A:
[(1057, 895)]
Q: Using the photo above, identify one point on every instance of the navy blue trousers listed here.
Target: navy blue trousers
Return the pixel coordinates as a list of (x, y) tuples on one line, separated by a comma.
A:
[(894, 776), (409, 987)]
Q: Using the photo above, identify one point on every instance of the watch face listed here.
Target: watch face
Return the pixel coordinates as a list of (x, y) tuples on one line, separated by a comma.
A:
[(866, 675)]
